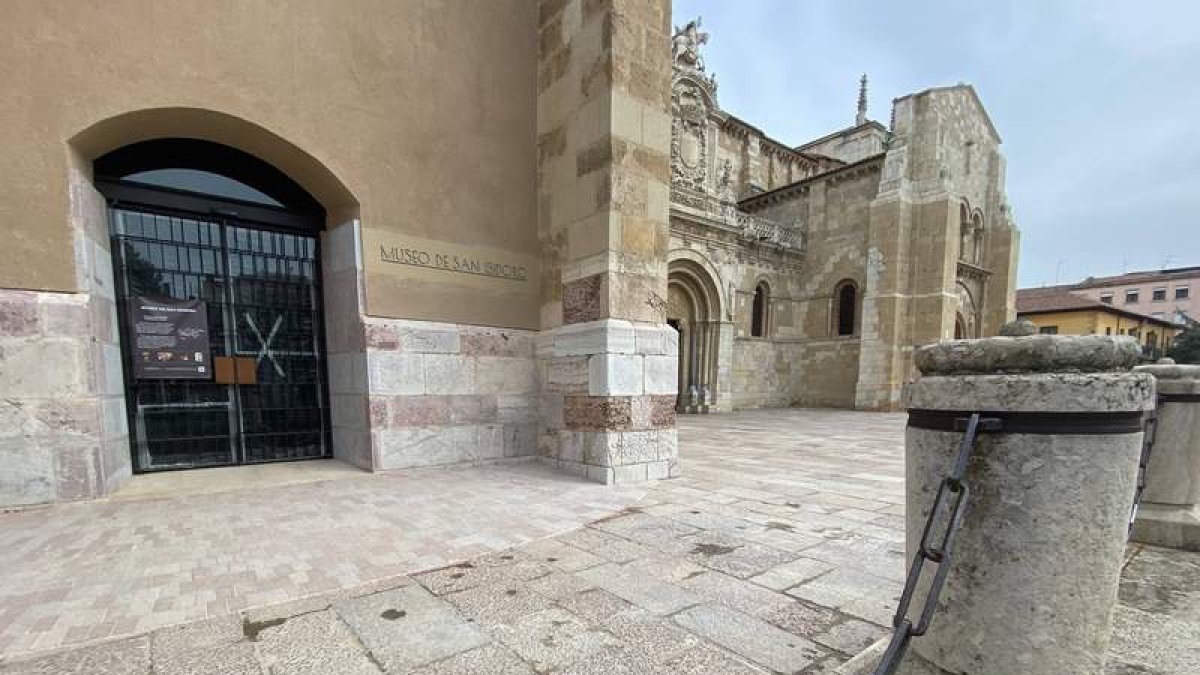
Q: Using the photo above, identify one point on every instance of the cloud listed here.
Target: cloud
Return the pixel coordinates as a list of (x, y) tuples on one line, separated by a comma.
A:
[(1095, 101)]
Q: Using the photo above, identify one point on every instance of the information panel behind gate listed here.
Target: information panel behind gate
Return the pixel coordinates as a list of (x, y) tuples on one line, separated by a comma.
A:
[(170, 339)]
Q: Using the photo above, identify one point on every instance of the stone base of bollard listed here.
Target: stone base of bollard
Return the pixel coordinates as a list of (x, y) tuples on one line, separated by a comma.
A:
[(1170, 512), (1169, 526)]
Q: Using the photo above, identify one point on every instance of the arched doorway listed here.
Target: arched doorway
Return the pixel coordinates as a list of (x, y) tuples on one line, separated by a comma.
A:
[(693, 310), (966, 320), (217, 274)]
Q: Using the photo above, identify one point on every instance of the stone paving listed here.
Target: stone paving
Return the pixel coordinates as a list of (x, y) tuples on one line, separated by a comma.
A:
[(779, 552), (79, 572)]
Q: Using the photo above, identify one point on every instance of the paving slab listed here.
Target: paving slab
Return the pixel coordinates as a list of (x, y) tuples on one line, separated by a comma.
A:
[(318, 643), (487, 571), (488, 660), (594, 606), (126, 657), (605, 545), (239, 658), (736, 594), (851, 636), (640, 589), (854, 592), (560, 555), (652, 638), (708, 660), (498, 604), (789, 574), (804, 619), (613, 660), (409, 627), (733, 554), (553, 639), (750, 638)]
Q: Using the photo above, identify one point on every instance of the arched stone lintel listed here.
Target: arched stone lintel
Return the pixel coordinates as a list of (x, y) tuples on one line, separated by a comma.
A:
[(135, 126), (700, 271)]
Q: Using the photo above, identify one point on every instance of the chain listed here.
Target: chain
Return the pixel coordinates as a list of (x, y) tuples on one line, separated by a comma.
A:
[(954, 492), (1149, 431)]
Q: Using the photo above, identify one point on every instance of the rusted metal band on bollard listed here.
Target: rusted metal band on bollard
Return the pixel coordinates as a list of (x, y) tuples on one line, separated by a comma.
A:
[(1179, 398), (1054, 423)]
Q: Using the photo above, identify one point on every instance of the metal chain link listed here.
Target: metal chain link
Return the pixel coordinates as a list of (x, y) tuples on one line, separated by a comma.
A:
[(1149, 431), (954, 491)]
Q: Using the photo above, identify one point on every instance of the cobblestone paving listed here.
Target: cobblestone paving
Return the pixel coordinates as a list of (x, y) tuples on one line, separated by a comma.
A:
[(780, 552)]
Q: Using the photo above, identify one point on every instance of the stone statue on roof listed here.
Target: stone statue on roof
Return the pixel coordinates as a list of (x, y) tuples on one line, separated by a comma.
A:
[(685, 45)]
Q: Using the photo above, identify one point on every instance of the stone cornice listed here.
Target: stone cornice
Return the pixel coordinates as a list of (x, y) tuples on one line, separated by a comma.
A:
[(870, 165), (967, 270)]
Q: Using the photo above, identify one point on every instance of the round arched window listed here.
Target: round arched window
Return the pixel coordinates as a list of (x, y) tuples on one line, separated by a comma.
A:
[(759, 310), (845, 308)]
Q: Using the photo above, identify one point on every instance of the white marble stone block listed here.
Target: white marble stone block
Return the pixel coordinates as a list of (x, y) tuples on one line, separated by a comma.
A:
[(661, 375), (396, 373), (449, 374), (516, 408), (506, 375), (615, 375), (567, 375), (606, 336), (26, 472), (42, 368), (427, 446)]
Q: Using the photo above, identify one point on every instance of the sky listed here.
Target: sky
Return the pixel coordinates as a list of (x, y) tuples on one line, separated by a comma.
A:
[(1097, 103)]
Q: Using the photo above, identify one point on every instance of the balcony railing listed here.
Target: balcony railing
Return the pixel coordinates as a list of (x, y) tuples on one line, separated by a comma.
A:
[(750, 226)]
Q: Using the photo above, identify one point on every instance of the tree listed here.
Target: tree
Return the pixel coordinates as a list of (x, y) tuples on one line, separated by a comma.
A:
[(1186, 347)]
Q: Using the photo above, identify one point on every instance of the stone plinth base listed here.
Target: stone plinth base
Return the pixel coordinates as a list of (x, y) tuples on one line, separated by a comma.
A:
[(1169, 526)]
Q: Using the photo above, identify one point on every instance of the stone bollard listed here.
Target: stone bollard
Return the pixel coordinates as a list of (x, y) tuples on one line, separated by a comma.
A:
[(1170, 510), (1032, 579)]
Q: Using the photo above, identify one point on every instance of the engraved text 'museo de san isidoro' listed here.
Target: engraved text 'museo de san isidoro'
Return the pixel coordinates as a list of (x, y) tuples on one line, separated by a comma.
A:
[(449, 262)]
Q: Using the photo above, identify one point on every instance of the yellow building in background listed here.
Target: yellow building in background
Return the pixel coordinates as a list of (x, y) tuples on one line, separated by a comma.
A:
[(1058, 310)]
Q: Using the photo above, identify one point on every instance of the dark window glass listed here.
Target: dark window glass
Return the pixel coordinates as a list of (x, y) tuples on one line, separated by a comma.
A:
[(1048, 330), (847, 304), (1181, 293), (1160, 294), (758, 313), (1131, 297), (205, 182)]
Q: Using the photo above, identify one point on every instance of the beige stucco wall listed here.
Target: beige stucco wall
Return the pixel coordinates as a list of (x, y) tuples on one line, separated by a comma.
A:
[(416, 116)]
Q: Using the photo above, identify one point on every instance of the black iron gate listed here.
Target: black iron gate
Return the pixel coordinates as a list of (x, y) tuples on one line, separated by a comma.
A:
[(260, 283)]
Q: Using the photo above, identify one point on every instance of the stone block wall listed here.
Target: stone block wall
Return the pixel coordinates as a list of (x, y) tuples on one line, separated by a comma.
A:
[(449, 394), (763, 373), (345, 343), (827, 375), (49, 416), (63, 426), (809, 372), (608, 400), (603, 127)]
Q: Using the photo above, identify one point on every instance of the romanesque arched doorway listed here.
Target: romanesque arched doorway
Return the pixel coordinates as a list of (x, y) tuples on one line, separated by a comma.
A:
[(966, 321), (693, 309), (217, 275)]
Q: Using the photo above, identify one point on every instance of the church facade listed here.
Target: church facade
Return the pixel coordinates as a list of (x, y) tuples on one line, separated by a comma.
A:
[(805, 275), (405, 235)]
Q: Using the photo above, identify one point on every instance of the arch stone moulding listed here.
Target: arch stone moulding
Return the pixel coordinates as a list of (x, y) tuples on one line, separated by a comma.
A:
[(696, 264), (968, 310), (706, 336), (67, 464), (147, 124)]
